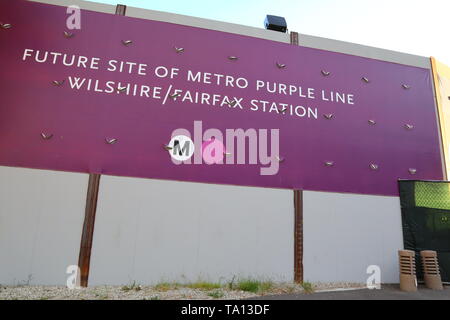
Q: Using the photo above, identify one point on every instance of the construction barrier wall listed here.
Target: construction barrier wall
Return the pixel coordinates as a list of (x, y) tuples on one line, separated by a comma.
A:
[(150, 230)]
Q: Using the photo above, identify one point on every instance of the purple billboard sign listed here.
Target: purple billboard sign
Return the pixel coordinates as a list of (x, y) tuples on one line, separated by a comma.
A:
[(107, 98)]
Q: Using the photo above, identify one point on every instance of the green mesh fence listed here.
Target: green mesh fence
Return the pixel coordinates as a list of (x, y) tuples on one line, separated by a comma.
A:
[(426, 220), (432, 195)]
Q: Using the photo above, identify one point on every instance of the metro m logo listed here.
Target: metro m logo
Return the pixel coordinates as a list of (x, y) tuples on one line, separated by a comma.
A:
[(181, 148), (177, 149)]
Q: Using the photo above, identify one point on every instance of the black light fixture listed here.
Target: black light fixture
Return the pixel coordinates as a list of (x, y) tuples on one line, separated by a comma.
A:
[(275, 23)]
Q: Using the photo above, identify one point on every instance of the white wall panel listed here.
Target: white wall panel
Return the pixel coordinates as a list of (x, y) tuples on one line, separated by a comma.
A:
[(151, 231), (41, 218), (364, 51), (85, 5), (345, 233), (208, 24)]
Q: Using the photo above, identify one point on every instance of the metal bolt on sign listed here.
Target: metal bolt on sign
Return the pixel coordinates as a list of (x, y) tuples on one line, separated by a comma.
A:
[(174, 96), (280, 159), (46, 136), (68, 35), (167, 147), (231, 103), (5, 26), (110, 141), (408, 280), (58, 83), (431, 273), (282, 111)]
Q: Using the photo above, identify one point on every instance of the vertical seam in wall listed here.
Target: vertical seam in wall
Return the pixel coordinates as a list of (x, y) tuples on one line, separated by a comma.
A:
[(33, 250), (136, 237), (438, 108)]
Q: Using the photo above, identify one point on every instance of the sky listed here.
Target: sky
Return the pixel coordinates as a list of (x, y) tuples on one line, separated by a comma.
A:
[(411, 26)]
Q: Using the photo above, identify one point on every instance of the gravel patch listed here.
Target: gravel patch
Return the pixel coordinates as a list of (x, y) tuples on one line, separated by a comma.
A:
[(137, 292), (116, 293)]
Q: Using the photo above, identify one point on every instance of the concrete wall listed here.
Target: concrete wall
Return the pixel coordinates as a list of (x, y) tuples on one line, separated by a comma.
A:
[(41, 218), (345, 233), (304, 40), (150, 231)]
